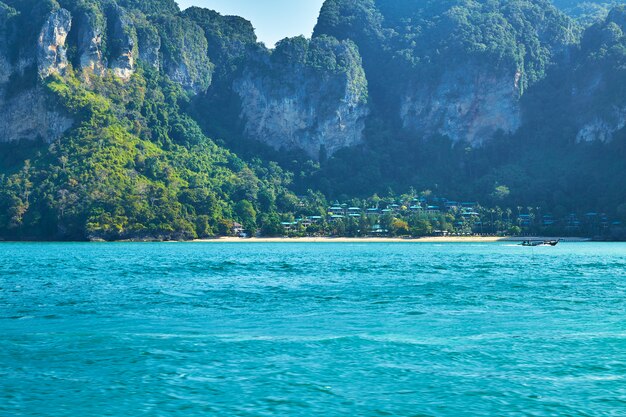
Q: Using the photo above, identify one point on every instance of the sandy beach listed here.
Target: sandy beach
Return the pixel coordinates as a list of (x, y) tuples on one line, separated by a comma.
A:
[(447, 239)]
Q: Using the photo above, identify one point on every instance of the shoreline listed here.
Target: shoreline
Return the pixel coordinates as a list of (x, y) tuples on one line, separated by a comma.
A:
[(447, 239)]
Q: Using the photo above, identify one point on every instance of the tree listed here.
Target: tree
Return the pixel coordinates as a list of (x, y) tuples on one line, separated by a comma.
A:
[(247, 215), (399, 227), (515, 231), (421, 227), (501, 192), (271, 225)]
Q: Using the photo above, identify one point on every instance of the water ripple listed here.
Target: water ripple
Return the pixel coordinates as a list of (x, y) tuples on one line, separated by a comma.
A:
[(310, 330)]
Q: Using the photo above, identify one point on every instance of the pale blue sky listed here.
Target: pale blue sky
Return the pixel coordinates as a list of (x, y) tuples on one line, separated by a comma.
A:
[(272, 19)]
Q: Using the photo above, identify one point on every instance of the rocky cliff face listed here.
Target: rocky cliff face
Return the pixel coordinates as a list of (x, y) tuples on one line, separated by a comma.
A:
[(29, 116), (184, 50), (428, 69), (90, 33), (603, 129), (595, 111), (149, 43), (468, 104), (452, 68), (94, 38), (597, 93), (25, 113), (296, 101), (6, 13), (51, 48), (122, 42)]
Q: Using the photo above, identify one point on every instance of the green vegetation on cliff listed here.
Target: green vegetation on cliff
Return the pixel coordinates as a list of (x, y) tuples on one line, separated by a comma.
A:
[(134, 166), (418, 39), (384, 82)]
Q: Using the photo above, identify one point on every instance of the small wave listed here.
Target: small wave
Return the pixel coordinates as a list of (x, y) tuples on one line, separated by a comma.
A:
[(18, 317)]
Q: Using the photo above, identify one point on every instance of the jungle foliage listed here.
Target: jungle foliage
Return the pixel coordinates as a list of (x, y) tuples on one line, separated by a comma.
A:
[(139, 162)]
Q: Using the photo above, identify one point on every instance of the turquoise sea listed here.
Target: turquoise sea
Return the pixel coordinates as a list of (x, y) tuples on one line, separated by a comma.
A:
[(206, 329)]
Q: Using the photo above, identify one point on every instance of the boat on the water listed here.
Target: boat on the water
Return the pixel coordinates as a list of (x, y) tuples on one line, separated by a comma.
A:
[(541, 242)]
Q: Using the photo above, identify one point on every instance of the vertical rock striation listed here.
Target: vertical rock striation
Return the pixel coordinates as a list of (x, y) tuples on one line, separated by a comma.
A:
[(468, 104), (51, 49), (309, 95), (122, 42), (453, 68), (184, 50), (90, 33), (95, 38), (25, 113)]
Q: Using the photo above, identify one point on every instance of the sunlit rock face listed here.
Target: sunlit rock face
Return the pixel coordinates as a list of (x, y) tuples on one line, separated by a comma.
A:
[(122, 34), (88, 39), (25, 113), (290, 101), (5, 65), (468, 104), (28, 116), (596, 91), (451, 68), (90, 34), (51, 48), (184, 53), (603, 129)]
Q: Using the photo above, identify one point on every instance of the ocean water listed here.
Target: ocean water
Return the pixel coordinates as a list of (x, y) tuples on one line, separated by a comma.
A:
[(194, 329)]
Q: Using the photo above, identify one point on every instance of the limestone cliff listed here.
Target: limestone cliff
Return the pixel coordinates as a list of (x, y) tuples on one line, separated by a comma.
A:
[(469, 103), (597, 93), (184, 50), (453, 68), (149, 42), (6, 14), (51, 48), (25, 113), (43, 39), (122, 40), (603, 129), (90, 31), (306, 95), (29, 116), (461, 75)]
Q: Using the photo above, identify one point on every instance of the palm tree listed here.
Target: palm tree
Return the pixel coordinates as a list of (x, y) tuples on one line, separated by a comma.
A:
[(508, 217), (500, 213)]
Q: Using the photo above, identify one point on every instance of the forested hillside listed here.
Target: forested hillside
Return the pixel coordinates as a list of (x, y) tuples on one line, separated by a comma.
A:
[(129, 119), (130, 163), (477, 95), (587, 12)]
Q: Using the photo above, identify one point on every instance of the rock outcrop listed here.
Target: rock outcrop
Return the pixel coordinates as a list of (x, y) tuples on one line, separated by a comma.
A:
[(51, 48), (90, 33), (95, 37), (122, 43), (467, 104), (28, 116), (451, 68), (184, 51), (603, 129), (6, 13), (308, 95), (149, 43), (25, 113), (315, 95), (596, 93)]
